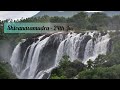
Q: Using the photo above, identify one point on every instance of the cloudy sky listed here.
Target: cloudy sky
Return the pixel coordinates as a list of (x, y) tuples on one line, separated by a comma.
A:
[(16, 14), (19, 14)]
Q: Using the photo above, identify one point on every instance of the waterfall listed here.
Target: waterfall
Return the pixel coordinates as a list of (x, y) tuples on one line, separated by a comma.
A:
[(35, 59), (70, 47), (95, 48), (15, 59)]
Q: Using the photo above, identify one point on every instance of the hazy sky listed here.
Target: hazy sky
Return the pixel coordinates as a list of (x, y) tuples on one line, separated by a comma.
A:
[(16, 14), (93, 11), (19, 14)]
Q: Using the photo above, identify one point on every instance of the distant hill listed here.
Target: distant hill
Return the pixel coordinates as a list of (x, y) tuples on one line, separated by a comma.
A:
[(70, 13), (109, 13), (112, 13), (56, 13)]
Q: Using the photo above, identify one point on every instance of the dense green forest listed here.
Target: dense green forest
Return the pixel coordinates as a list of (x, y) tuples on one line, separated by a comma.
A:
[(104, 67), (81, 21)]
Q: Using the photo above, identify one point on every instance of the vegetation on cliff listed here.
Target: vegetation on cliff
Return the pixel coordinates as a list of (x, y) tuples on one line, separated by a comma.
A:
[(104, 67), (6, 71)]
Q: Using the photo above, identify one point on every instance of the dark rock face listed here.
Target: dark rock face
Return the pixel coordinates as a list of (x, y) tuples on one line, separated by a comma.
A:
[(95, 35), (109, 46), (46, 75), (77, 65), (47, 57), (25, 60), (82, 47), (103, 33), (25, 45), (47, 35)]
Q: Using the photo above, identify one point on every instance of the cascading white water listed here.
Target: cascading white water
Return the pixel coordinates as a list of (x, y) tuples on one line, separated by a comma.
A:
[(15, 59), (42, 56), (29, 59), (89, 50), (95, 48), (35, 57), (70, 46), (24, 73)]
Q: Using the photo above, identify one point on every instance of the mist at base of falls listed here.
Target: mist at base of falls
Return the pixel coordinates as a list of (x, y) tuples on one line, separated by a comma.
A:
[(35, 59), (5, 50)]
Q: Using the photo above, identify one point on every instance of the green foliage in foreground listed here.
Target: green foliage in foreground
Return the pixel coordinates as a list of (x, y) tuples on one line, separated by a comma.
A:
[(6, 71), (101, 73), (67, 69)]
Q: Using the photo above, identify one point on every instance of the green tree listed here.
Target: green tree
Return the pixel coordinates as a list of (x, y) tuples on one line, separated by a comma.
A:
[(80, 20), (115, 22), (45, 18), (100, 60), (101, 73), (67, 69), (90, 64), (99, 20), (57, 19)]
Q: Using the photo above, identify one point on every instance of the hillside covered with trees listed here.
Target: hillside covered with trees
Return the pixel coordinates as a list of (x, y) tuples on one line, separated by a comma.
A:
[(81, 21), (104, 67)]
